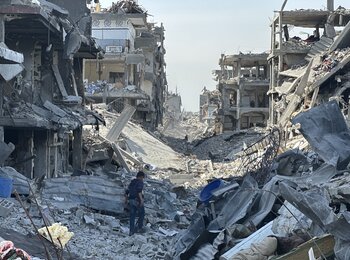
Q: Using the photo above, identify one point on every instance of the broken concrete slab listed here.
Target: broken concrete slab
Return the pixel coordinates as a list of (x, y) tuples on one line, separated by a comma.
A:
[(120, 123), (55, 109), (8, 56), (144, 146), (9, 71), (99, 193)]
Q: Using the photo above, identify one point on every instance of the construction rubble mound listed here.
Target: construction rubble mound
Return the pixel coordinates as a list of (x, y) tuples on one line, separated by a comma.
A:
[(269, 202), (245, 179)]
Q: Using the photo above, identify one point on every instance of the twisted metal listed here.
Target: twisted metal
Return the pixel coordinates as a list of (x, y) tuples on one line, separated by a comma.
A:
[(257, 159)]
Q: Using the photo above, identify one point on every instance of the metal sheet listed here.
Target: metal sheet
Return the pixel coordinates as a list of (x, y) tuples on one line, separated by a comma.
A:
[(237, 206), (325, 129), (313, 203)]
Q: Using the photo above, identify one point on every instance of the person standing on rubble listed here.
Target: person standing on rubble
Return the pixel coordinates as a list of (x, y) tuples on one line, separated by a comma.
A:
[(136, 203)]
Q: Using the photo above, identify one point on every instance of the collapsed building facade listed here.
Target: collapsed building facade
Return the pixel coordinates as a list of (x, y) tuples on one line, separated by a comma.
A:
[(308, 72), (243, 82), (42, 112), (133, 69)]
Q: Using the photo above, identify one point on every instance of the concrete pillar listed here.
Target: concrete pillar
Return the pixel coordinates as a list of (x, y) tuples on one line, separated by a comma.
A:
[(238, 115), (77, 149), (78, 73), (239, 91), (330, 5), (41, 163), (272, 88), (280, 31), (2, 28), (2, 39)]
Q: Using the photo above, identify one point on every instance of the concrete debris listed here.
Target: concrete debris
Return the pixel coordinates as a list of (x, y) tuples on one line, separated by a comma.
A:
[(219, 184)]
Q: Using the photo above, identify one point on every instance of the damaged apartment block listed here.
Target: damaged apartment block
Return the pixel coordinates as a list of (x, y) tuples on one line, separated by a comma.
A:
[(308, 72), (42, 112), (133, 69), (243, 82)]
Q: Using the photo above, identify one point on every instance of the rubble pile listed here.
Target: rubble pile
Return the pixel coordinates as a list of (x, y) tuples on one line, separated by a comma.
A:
[(97, 87), (280, 193), (329, 61), (279, 203), (188, 125), (296, 44), (166, 216), (221, 147), (304, 196)]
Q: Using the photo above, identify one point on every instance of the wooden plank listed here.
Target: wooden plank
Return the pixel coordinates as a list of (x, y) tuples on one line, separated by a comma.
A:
[(59, 80), (325, 243)]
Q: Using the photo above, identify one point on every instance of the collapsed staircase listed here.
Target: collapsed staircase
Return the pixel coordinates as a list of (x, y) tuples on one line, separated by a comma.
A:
[(319, 47)]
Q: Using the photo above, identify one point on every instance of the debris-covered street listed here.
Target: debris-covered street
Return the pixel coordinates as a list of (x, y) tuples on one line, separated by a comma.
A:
[(100, 159)]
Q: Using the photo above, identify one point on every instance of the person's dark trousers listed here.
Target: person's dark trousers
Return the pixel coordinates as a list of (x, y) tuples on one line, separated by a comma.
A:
[(135, 209)]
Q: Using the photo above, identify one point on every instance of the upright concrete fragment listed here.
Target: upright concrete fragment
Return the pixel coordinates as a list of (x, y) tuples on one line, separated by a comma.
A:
[(120, 123)]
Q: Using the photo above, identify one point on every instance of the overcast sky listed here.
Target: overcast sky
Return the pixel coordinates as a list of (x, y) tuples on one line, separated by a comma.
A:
[(198, 31)]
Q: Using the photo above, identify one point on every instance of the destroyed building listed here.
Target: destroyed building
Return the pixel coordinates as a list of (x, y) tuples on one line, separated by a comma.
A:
[(310, 71), (133, 69), (209, 103), (42, 112), (243, 82), (173, 105), (260, 201)]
